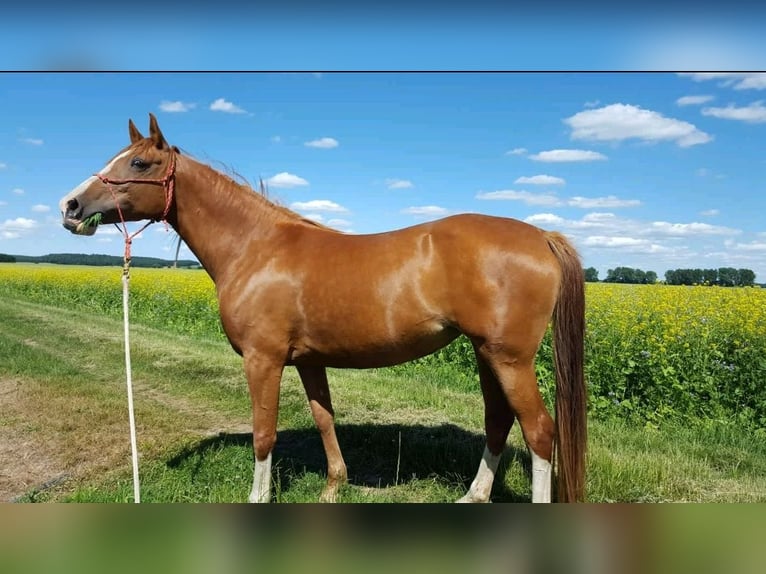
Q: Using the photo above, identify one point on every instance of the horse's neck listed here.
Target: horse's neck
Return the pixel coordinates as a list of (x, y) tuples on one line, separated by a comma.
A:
[(215, 216)]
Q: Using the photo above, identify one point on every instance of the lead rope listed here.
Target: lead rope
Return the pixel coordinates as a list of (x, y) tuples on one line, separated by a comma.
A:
[(168, 184), (128, 370)]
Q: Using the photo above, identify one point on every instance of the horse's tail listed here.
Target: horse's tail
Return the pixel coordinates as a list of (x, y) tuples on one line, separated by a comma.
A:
[(568, 350)]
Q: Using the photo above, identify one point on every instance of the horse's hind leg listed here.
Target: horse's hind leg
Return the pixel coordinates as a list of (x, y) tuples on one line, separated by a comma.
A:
[(519, 383), (498, 419), (315, 382)]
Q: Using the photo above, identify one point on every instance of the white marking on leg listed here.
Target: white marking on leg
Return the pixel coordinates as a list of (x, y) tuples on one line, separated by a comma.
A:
[(541, 478), (481, 487), (261, 491)]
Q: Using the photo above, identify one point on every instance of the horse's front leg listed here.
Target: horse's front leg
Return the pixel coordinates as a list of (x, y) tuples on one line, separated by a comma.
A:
[(315, 382), (264, 374)]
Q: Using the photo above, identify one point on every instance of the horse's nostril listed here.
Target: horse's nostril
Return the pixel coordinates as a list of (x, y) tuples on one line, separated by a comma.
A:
[(72, 205)]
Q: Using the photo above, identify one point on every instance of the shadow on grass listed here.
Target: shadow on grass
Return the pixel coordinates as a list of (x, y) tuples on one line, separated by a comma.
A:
[(373, 452)]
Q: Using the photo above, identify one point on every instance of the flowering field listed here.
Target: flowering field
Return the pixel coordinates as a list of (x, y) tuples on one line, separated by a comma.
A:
[(652, 351), (182, 300)]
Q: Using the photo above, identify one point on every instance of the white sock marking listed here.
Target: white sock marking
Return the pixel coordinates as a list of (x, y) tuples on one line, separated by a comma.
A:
[(261, 491), (541, 478), (481, 487)]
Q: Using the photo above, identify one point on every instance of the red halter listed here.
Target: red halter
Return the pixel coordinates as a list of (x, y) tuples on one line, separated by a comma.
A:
[(167, 183)]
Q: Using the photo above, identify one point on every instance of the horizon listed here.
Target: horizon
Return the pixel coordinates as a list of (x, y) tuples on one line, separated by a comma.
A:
[(654, 171)]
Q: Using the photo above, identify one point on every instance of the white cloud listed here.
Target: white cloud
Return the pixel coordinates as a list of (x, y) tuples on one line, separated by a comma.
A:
[(592, 104), (276, 139), (221, 105), (752, 246), (618, 122), (40, 208), (3, 203), (323, 143), (3, 165), (710, 212), (540, 180), (544, 219), (517, 151), (285, 179), (525, 196), (562, 155), (694, 100), (398, 183), (339, 223), (318, 205), (176, 106), (15, 228), (33, 141), (694, 228), (602, 202), (426, 210), (628, 244), (609, 241), (754, 113), (608, 224), (737, 80), (17, 191), (752, 82)]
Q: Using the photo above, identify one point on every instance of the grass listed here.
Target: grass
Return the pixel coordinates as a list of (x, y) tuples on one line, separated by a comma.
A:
[(406, 436)]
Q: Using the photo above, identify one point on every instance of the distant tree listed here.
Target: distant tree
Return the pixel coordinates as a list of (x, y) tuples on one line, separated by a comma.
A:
[(727, 276), (671, 277), (745, 277), (591, 274), (7, 258), (710, 276), (630, 275), (97, 259), (723, 276)]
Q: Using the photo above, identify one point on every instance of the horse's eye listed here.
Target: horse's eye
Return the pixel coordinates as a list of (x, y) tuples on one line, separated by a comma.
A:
[(138, 163)]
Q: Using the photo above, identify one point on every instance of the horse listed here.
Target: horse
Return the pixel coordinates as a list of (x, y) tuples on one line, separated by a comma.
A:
[(294, 292)]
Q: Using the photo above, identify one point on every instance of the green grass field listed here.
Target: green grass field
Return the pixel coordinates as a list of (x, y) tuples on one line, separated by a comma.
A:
[(407, 435)]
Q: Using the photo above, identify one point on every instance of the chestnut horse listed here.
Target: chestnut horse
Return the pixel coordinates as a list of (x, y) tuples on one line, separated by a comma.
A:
[(293, 292)]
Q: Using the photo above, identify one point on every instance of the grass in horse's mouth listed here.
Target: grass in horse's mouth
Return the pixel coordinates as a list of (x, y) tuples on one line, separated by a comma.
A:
[(90, 221)]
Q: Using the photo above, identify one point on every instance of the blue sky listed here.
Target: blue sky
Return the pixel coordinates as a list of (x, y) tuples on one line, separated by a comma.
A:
[(649, 170)]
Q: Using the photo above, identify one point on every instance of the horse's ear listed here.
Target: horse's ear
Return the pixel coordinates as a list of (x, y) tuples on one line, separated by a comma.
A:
[(135, 135), (155, 133)]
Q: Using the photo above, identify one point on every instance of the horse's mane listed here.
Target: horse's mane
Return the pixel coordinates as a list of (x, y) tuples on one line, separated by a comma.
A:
[(261, 191)]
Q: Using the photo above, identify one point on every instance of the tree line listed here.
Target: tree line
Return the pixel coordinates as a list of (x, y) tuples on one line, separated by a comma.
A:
[(723, 276), (95, 259)]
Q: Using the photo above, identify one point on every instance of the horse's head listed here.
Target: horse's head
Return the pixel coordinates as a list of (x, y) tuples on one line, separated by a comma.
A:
[(136, 184)]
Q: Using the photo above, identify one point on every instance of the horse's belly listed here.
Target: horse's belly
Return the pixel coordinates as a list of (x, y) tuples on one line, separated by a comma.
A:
[(369, 350)]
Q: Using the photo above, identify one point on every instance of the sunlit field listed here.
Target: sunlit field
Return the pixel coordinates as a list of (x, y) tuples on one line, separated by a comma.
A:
[(652, 351)]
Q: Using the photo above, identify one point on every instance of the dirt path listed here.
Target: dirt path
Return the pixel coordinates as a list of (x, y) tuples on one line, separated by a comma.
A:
[(27, 462), (63, 417)]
